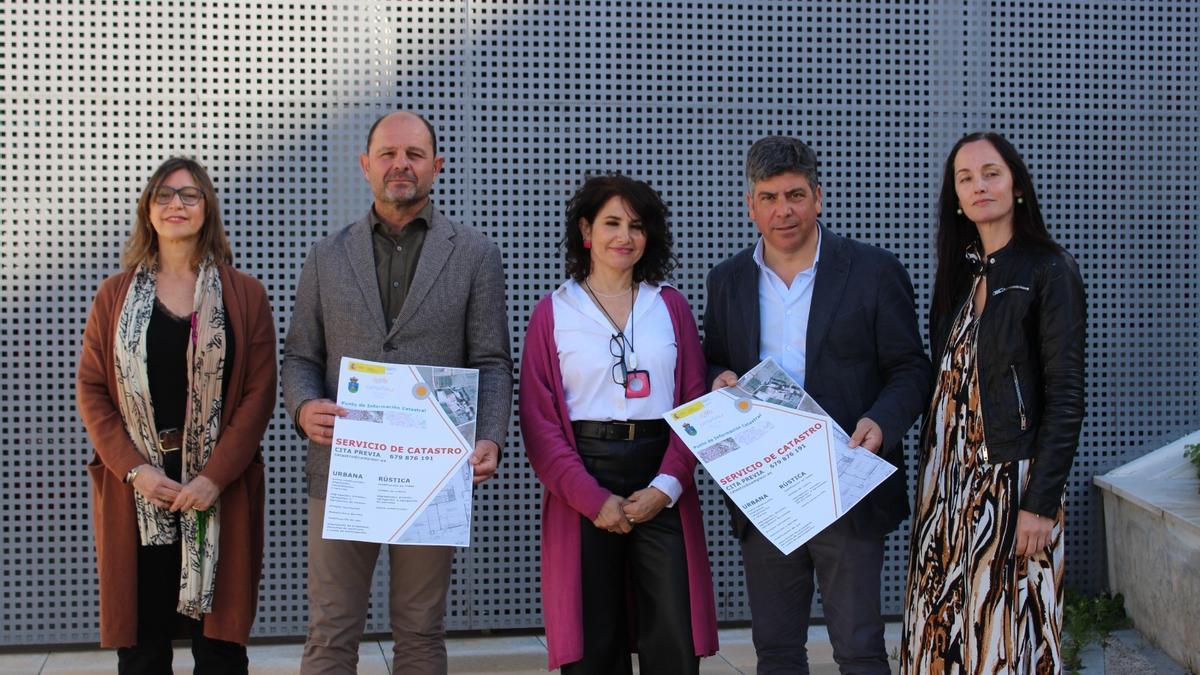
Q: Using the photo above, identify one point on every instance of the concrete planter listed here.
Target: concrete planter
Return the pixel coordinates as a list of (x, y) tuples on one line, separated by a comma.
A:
[(1152, 527)]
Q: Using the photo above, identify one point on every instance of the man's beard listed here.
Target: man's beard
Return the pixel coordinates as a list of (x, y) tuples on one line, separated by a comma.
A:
[(404, 197)]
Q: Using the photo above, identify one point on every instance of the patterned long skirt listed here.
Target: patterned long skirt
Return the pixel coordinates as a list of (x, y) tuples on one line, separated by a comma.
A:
[(972, 605)]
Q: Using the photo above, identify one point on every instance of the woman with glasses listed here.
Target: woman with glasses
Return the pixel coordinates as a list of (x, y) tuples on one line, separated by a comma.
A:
[(1007, 326), (176, 385), (624, 561)]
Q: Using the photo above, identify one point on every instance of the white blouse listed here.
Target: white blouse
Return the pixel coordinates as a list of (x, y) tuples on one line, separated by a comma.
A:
[(583, 334)]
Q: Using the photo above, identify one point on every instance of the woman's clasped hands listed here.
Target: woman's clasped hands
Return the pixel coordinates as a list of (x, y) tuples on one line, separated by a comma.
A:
[(199, 493), (155, 486), (620, 514)]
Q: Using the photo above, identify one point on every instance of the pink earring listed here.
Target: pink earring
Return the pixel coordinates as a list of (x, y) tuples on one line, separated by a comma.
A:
[(587, 243)]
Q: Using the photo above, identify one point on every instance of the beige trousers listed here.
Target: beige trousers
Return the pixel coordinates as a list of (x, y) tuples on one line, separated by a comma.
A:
[(339, 586)]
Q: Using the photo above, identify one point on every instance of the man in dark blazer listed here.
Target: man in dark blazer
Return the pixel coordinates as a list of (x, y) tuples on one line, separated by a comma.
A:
[(403, 285), (839, 316)]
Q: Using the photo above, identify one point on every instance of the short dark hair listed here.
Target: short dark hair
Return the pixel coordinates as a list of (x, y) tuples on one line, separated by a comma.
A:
[(432, 133), (775, 155), (956, 232), (656, 263)]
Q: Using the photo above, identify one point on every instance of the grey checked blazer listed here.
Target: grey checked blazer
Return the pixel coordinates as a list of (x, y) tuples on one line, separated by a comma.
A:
[(454, 315)]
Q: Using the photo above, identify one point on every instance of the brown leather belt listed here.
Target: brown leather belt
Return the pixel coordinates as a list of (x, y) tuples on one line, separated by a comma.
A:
[(621, 431), (170, 440)]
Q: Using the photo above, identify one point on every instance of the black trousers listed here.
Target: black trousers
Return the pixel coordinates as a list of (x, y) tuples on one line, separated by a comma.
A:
[(847, 565), (648, 565), (158, 622)]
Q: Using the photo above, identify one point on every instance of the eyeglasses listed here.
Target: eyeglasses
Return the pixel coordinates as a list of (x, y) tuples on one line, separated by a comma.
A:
[(616, 347), (190, 196)]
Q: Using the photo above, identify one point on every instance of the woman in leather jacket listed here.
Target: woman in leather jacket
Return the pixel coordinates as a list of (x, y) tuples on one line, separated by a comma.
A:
[(1007, 329)]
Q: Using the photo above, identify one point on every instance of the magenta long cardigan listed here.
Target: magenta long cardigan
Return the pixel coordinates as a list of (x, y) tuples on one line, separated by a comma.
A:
[(571, 490)]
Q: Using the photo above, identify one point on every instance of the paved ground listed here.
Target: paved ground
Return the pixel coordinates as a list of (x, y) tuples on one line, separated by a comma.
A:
[(1126, 654), (504, 653)]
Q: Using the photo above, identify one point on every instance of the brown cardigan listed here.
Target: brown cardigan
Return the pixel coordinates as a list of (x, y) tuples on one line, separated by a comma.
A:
[(235, 466)]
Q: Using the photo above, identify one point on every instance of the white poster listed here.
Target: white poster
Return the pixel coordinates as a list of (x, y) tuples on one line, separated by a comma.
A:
[(398, 470), (785, 463)]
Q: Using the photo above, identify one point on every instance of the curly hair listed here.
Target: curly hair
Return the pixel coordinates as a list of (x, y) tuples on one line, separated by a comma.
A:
[(656, 263)]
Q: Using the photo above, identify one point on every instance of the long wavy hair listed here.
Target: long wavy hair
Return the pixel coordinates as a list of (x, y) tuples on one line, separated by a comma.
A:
[(143, 241), (956, 232), (656, 263)]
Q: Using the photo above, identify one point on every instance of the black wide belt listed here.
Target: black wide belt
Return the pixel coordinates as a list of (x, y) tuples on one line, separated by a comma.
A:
[(621, 431)]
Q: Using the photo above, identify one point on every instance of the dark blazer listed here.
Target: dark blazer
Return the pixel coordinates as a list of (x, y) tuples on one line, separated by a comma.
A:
[(864, 355)]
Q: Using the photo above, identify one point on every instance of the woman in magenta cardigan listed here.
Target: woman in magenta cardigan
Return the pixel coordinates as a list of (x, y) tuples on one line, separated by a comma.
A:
[(624, 561)]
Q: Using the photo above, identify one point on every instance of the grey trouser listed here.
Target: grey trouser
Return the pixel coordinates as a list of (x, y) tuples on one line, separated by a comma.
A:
[(339, 586)]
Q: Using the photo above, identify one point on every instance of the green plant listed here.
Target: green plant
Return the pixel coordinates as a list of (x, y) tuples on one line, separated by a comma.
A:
[(1192, 454), (1088, 619)]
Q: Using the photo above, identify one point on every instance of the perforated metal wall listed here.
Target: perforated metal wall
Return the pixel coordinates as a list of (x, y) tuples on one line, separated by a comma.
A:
[(276, 99)]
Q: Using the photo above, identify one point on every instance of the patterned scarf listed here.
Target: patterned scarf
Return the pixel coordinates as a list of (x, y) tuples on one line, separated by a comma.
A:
[(202, 422)]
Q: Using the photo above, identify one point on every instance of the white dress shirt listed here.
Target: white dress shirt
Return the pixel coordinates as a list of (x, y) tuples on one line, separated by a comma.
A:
[(783, 314), (582, 334)]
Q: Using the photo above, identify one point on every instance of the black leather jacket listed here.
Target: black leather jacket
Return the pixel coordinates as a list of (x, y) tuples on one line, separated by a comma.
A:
[(1030, 359)]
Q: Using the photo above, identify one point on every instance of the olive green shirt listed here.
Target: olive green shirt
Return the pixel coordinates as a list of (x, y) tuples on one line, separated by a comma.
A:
[(396, 256)]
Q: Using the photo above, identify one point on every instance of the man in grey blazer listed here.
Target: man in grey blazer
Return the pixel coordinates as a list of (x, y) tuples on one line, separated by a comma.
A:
[(403, 285), (838, 315)]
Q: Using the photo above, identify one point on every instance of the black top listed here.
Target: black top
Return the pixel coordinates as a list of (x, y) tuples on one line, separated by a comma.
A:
[(166, 366), (1030, 344)]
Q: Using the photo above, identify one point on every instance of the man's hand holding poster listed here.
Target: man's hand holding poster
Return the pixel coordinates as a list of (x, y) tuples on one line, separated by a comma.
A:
[(398, 471), (773, 450)]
